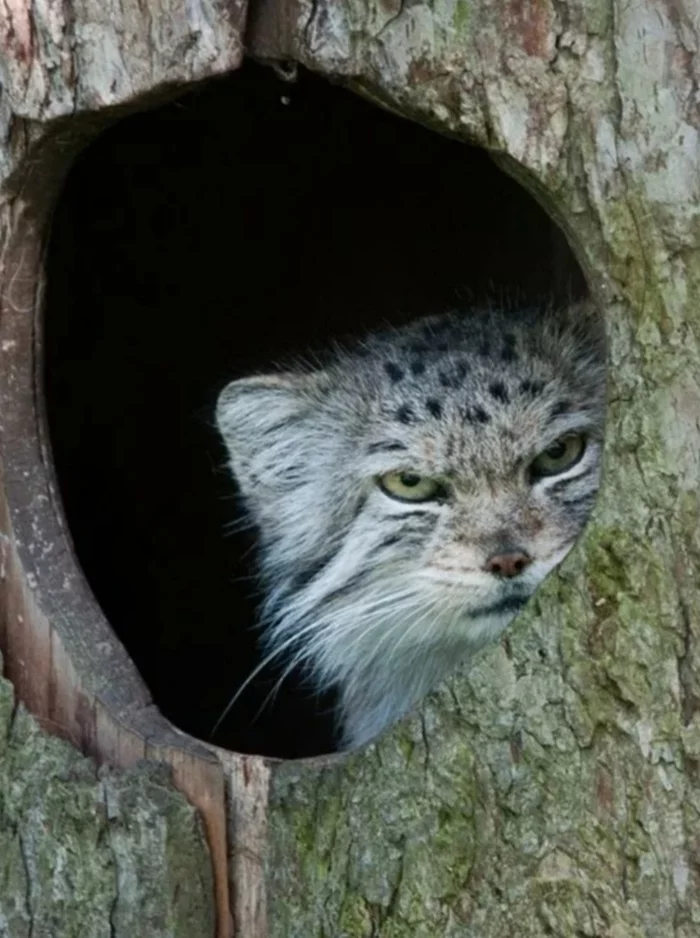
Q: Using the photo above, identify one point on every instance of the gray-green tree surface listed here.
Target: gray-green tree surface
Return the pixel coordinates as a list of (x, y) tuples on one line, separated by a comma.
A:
[(88, 853), (553, 790)]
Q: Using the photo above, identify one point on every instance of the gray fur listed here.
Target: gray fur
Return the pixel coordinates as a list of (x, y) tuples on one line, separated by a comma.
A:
[(380, 597)]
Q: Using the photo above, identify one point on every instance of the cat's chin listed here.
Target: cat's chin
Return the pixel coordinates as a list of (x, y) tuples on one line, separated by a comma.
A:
[(478, 625), (382, 690)]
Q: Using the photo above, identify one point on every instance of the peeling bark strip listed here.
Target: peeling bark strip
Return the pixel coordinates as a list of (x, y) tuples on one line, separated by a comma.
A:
[(248, 785)]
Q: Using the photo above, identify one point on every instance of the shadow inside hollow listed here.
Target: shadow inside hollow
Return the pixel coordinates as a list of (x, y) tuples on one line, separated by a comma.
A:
[(244, 222)]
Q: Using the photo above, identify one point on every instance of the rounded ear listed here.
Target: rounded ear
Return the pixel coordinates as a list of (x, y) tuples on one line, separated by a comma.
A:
[(260, 421)]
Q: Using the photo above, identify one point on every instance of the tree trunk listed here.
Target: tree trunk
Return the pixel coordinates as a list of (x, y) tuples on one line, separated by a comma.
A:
[(553, 789), (87, 852)]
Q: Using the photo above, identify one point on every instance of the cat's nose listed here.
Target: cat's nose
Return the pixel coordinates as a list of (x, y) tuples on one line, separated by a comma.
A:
[(508, 563)]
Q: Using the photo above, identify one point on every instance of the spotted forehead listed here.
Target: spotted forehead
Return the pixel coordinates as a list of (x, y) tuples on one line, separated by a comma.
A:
[(483, 386), (483, 399), (433, 387), (461, 443)]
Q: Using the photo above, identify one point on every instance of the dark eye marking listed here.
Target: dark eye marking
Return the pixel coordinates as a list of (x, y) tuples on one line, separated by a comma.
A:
[(349, 587), (386, 446), (417, 367), (409, 535), (563, 407), (562, 484), (389, 541), (313, 570)]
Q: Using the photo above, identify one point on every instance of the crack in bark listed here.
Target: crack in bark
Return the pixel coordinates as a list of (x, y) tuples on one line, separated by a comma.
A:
[(689, 698), (310, 23), (29, 879), (392, 19)]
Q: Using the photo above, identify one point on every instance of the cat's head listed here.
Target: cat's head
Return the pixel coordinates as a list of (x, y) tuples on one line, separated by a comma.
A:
[(419, 487)]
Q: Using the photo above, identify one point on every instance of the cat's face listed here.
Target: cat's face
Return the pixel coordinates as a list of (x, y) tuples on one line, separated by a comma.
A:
[(412, 495), (478, 518)]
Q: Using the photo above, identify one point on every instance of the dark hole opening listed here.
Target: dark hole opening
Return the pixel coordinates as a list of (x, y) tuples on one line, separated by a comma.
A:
[(245, 221)]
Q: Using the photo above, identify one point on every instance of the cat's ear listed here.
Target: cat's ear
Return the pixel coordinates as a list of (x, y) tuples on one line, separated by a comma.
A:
[(262, 421)]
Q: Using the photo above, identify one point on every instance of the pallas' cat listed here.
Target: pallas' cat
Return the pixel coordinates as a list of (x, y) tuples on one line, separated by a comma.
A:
[(411, 492)]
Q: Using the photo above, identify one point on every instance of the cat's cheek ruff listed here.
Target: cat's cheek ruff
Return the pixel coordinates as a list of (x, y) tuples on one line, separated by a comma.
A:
[(381, 638), (380, 691), (359, 625)]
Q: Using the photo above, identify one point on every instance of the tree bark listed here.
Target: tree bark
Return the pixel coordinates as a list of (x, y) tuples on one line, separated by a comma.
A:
[(88, 852), (553, 789)]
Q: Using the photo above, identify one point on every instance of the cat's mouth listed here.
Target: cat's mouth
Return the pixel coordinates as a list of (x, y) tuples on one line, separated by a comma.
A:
[(477, 595), (511, 603)]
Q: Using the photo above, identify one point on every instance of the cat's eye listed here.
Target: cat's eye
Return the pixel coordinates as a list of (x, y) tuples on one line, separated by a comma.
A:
[(409, 486), (560, 456)]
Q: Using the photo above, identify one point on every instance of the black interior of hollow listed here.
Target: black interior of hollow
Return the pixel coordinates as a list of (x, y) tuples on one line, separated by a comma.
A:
[(245, 221)]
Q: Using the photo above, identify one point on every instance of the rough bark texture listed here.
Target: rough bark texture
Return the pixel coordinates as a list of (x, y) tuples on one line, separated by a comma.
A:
[(88, 852), (84, 852), (554, 790)]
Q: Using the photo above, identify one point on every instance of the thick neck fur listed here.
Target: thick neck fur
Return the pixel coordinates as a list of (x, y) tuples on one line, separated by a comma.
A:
[(382, 597)]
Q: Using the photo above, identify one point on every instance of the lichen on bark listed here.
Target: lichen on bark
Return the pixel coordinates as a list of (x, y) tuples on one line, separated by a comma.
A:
[(553, 789), (88, 853)]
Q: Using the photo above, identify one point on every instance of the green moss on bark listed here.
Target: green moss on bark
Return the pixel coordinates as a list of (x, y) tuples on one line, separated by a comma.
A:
[(94, 854)]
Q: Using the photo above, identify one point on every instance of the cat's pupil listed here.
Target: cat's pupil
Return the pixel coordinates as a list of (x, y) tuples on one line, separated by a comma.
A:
[(409, 479), (556, 450)]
